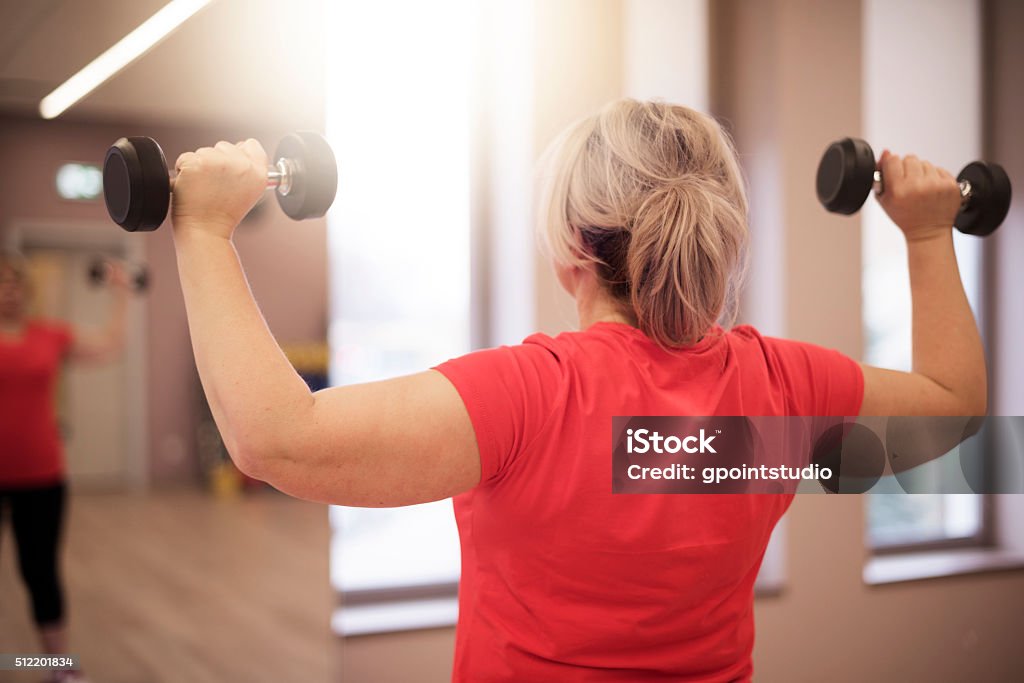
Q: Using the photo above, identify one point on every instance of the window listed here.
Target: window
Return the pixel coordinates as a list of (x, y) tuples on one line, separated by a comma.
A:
[(398, 114), (899, 112), (903, 522)]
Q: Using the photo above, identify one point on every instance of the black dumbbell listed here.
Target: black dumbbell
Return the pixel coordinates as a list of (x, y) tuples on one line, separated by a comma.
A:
[(138, 274), (847, 173), (137, 185)]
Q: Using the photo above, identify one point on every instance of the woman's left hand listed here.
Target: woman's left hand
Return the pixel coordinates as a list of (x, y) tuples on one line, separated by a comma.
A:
[(117, 276), (217, 186)]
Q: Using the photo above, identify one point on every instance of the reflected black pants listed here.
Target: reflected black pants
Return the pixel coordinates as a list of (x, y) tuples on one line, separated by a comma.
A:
[(37, 516)]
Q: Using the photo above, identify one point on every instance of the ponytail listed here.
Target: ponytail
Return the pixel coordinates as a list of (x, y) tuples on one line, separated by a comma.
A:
[(650, 195)]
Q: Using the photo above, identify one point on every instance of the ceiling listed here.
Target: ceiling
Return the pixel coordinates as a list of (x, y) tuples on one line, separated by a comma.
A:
[(249, 62)]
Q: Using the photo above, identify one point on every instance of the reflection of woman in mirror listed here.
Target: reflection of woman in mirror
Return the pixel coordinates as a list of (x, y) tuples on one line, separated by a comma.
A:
[(32, 472)]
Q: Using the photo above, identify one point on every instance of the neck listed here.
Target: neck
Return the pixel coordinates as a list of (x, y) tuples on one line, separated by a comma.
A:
[(601, 308), (11, 324)]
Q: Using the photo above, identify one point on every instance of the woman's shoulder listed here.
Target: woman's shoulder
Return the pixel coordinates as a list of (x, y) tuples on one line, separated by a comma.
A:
[(777, 347), (536, 354), (43, 323), (751, 335), (626, 340), (768, 345), (623, 340), (50, 327)]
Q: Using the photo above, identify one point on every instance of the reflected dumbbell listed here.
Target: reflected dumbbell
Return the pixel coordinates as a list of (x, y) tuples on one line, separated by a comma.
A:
[(137, 184), (138, 274), (847, 173)]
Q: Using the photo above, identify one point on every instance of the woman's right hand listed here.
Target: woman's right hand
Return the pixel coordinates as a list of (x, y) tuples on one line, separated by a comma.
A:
[(920, 198), (217, 186)]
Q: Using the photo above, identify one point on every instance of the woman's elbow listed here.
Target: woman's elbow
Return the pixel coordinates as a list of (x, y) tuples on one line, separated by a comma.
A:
[(267, 450), (975, 403), (251, 456), (972, 407), (976, 410)]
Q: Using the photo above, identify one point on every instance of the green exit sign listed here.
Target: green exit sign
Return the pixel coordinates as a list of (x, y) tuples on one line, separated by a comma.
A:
[(81, 182)]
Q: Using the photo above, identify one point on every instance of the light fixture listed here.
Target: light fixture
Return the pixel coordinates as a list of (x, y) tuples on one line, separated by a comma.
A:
[(119, 55)]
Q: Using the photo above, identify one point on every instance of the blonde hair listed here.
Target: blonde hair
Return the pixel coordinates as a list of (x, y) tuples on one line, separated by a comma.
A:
[(650, 195)]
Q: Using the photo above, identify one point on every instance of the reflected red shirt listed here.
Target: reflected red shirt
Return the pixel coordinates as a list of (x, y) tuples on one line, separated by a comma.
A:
[(30, 445), (564, 581)]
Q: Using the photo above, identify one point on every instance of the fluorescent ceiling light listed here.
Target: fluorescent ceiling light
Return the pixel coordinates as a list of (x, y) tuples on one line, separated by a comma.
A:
[(120, 55)]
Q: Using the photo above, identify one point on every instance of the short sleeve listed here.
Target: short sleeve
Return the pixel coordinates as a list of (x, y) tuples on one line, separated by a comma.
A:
[(509, 393), (61, 334), (818, 381), (65, 337)]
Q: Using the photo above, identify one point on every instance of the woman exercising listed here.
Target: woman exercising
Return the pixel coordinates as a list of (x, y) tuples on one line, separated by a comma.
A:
[(644, 212), (32, 472)]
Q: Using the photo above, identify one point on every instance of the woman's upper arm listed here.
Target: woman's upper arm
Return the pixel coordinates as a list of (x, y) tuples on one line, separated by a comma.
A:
[(396, 442), (422, 437), (72, 342), (892, 392), (818, 381)]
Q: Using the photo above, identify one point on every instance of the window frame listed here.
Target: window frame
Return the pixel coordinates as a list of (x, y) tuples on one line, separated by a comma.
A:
[(420, 602), (985, 538)]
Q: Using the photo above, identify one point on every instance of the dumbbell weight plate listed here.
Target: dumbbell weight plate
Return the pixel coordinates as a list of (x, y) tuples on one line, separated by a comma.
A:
[(97, 273), (989, 201), (136, 184), (315, 175), (845, 175), (140, 282)]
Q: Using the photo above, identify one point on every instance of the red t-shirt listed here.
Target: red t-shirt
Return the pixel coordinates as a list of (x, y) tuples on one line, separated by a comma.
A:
[(30, 446), (563, 580)]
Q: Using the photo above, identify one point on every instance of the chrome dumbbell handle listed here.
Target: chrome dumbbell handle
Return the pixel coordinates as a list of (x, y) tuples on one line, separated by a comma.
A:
[(965, 187), (279, 176)]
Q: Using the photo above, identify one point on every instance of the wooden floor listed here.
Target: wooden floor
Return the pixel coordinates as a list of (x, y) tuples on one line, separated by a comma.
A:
[(181, 587)]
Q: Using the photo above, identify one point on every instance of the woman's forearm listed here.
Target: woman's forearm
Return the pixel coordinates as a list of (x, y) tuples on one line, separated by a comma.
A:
[(253, 391), (106, 343), (947, 347), (114, 332)]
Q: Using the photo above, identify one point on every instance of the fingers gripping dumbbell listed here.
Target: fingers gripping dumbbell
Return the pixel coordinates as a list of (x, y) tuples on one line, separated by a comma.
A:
[(137, 184), (847, 173), (137, 274)]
